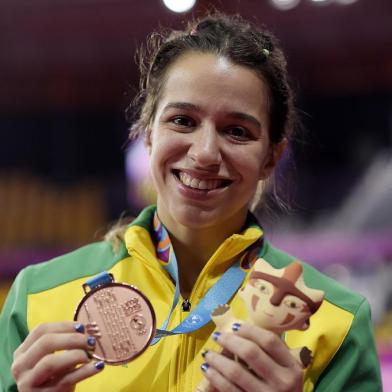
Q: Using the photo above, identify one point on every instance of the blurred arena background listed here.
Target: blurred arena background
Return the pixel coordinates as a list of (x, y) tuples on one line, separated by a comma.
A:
[(66, 172)]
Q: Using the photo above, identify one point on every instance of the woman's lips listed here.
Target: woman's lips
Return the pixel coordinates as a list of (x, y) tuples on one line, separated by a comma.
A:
[(202, 184), (199, 189)]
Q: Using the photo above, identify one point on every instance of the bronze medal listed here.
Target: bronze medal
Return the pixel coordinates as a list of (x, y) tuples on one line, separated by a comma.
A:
[(121, 319)]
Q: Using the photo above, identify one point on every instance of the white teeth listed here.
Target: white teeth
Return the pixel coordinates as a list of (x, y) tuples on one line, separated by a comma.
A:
[(192, 182), (195, 183), (203, 184), (185, 179)]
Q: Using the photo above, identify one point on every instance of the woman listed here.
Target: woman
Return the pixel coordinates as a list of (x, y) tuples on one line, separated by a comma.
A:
[(217, 113)]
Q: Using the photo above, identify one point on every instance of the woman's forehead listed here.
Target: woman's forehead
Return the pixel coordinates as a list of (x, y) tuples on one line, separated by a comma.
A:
[(205, 78)]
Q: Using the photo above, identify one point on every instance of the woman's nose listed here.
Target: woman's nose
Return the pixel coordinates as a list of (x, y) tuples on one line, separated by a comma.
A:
[(205, 149)]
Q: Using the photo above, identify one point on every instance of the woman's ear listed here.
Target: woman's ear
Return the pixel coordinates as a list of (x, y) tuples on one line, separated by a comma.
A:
[(274, 156)]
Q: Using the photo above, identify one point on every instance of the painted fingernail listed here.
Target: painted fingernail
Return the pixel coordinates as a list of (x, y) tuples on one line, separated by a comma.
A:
[(204, 367), (91, 341), (216, 335), (204, 353), (99, 365), (79, 327), (236, 327)]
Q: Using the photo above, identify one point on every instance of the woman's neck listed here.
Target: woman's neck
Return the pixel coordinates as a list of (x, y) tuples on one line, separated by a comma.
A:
[(192, 253), (195, 246)]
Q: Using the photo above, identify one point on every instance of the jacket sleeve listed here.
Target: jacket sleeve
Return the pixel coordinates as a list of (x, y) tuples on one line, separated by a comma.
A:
[(13, 327), (355, 366)]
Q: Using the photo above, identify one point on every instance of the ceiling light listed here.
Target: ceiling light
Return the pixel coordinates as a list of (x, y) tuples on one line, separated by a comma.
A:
[(179, 5), (285, 4), (321, 2), (346, 2)]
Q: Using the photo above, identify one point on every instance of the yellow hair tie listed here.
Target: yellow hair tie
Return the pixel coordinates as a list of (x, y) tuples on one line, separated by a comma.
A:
[(266, 52)]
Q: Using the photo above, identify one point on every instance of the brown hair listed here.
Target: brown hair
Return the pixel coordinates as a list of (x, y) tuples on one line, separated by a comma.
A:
[(232, 37)]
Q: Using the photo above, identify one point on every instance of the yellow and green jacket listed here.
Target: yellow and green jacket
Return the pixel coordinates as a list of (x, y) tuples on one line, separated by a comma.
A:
[(340, 334)]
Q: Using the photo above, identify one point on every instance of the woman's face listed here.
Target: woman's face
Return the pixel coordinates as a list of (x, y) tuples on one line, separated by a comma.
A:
[(209, 142)]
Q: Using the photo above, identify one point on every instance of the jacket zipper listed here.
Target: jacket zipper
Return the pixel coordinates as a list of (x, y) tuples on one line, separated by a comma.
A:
[(184, 342)]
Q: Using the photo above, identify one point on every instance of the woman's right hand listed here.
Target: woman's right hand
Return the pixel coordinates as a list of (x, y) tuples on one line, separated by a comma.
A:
[(54, 357)]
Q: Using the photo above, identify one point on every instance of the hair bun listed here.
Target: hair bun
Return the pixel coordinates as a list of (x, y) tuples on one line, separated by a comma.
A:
[(212, 25)]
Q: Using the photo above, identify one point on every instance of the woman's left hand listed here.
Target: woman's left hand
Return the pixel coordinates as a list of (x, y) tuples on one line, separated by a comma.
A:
[(267, 364)]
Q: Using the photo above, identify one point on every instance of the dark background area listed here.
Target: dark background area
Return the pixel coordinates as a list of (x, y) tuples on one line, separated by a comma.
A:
[(67, 73)]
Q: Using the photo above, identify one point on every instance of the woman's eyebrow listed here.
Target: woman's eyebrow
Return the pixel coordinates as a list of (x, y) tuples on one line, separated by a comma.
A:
[(181, 105), (244, 116)]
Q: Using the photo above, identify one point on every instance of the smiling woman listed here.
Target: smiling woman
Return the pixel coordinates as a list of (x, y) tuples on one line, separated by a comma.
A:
[(216, 112), (209, 151)]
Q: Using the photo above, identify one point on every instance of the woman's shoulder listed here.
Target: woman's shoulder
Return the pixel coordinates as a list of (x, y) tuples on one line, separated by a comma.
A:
[(335, 292), (84, 261)]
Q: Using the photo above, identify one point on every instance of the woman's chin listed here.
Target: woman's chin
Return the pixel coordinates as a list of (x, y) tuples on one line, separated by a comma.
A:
[(193, 218)]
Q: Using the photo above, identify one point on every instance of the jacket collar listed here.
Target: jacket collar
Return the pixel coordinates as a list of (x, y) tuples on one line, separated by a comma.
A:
[(138, 240)]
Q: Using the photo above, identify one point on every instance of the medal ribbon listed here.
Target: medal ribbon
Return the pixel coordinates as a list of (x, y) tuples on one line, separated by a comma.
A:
[(220, 293)]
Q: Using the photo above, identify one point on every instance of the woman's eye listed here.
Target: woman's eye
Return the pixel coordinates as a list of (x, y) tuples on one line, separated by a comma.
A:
[(239, 133), (183, 121)]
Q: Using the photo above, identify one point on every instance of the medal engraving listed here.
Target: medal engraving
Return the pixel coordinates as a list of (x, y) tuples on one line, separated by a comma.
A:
[(131, 306), (120, 318)]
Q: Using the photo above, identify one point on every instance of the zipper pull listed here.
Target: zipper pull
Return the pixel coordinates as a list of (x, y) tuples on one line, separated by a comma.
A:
[(186, 305)]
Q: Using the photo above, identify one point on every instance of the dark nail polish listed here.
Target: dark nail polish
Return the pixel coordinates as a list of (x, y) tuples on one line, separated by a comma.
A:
[(91, 341), (204, 367), (204, 353), (235, 327), (216, 335), (79, 327), (99, 365)]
